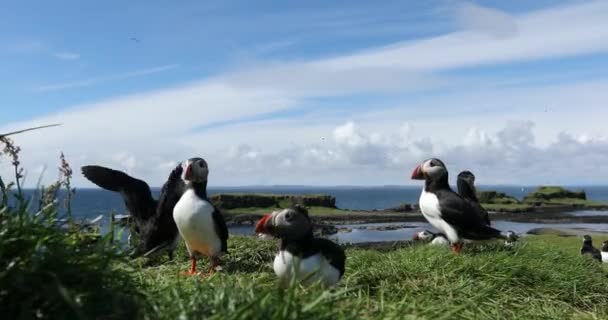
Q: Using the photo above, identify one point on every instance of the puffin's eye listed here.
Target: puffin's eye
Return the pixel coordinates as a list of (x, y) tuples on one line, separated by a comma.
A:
[(431, 164), (200, 164), (288, 216)]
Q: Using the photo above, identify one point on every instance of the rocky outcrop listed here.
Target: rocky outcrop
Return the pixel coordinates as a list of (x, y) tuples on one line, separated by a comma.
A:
[(233, 201), (495, 197), (548, 193)]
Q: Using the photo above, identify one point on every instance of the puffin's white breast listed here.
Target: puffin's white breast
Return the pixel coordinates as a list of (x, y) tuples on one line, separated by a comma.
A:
[(604, 257), (429, 206), (439, 241), (194, 219), (308, 270)]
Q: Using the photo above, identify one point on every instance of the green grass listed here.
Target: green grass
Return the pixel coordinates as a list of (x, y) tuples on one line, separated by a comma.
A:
[(543, 277), (507, 207)]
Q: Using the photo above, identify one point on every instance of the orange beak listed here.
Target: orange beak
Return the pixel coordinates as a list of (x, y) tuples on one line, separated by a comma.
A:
[(188, 173), (261, 227), (418, 174)]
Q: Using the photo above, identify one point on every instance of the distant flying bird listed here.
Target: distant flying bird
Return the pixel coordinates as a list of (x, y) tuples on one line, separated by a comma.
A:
[(28, 129), (135, 39)]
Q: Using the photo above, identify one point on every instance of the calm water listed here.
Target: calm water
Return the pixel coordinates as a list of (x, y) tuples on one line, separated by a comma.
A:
[(361, 234), (92, 202)]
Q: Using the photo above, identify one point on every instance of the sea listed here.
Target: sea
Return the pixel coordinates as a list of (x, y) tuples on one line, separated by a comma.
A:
[(89, 203)]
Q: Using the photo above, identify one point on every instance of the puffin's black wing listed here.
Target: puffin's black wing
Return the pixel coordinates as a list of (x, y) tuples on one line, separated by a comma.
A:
[(136, 193), (467, 191), (171, 192), (162, 231), (592, 251), (221, 228), (462, 216), (481, 212), (332, 252)]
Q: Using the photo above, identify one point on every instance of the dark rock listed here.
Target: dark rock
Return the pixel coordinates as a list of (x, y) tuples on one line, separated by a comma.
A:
[(233, 201)]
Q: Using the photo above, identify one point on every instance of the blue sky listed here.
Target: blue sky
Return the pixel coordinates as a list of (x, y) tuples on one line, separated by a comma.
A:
[(311, 92)]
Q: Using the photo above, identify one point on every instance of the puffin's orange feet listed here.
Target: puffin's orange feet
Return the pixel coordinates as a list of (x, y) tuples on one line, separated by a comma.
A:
[(457, 247), (192, 270), (211, 271)]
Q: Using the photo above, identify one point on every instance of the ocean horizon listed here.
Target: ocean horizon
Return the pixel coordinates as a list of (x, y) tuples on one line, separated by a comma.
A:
[(90, 202)]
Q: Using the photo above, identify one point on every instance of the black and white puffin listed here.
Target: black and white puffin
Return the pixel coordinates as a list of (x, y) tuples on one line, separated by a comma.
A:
[(446, 210), (466, 189), (312, 259), (152, 219), (605, 251), (435, 239), (589, 249), (200, 224)]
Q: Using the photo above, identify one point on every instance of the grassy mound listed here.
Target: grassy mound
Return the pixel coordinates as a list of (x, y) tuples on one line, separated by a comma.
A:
[(551, 196), (544, 277)]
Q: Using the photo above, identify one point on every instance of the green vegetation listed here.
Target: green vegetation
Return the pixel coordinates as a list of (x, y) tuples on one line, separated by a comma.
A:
[(494, 197), (558, 196), (233, 201), (544, 277), (548, 193), (508, 207), (52, 268)]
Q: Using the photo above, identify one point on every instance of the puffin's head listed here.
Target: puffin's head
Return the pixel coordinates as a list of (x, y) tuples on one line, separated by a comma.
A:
[(292, 223), (430, 169), (605, 246), (511, 236), (424, 235), (195, 170), (587, 239), (467, 176)]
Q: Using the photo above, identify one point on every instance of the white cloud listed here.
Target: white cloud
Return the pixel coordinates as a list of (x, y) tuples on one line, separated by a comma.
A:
[(155, 130), (486, 20), (539, 34), (66, 55), (103, 79)]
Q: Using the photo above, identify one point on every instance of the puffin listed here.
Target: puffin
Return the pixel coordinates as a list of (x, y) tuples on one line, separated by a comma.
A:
[(466, 189), (435, 239), (446, 210), (605, 251), (312, 259), (200, 223), (588, 249), (511, 238), (152, 219)]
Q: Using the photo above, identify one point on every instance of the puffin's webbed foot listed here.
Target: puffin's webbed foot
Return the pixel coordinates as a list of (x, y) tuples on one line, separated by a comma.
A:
[(457, 247), (192, 270)]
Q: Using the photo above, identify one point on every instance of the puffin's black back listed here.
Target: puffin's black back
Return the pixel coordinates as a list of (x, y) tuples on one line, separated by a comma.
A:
[(459, 213), (467, 190), (310, 246), (588, 249)]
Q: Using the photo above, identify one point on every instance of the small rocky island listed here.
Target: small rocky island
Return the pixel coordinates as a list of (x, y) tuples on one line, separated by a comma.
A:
[(544, 203)]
